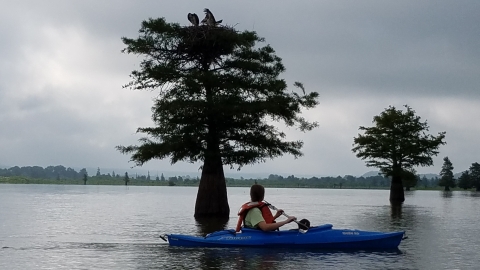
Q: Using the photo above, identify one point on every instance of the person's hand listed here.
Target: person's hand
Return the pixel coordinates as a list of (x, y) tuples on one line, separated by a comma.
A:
[(291, 218), (279, 213)]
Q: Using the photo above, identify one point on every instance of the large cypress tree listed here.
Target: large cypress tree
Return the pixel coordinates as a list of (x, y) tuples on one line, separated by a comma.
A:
[(219, 96), (396, 144)]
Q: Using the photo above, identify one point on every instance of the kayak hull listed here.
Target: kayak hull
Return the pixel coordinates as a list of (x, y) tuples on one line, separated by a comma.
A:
[(321, 237)]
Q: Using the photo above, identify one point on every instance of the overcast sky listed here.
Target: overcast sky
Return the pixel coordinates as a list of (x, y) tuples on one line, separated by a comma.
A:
[(62, 71)]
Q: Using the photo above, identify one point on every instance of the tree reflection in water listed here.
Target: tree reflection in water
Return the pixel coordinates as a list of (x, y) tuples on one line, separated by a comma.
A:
[(396, 210), (210, 224), (447, 194)]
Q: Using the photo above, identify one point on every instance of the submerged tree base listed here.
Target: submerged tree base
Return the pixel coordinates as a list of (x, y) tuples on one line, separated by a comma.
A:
[(396, 210), (212, 201), (396, 191)]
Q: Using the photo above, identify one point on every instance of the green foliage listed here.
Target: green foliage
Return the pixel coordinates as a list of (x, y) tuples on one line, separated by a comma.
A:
[(409, 178), (218, 89), (397, 142), (475, 175), (50, 172), (447, 179), (464, 181)]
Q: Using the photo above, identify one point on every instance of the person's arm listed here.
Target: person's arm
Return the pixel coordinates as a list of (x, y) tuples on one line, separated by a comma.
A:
[(273, 226)]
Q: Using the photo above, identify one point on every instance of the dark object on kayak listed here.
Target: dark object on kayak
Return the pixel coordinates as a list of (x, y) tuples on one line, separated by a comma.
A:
[(304, 224), (322, 237)]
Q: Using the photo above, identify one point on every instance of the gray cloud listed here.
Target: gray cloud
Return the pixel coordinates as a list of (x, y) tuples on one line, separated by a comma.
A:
[(61, 75)]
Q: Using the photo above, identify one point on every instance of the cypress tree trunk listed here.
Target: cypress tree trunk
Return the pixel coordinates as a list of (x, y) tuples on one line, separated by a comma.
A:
[(212, 198), (447, 188), (396, 190), (477, 188)]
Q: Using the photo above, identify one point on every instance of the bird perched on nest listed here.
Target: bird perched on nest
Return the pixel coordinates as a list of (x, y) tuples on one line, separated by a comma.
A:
[(209, 18), (193, 18)]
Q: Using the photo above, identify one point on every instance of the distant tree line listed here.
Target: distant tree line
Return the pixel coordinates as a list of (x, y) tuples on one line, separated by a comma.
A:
[(50, 172), (62, 175), (347, 181)]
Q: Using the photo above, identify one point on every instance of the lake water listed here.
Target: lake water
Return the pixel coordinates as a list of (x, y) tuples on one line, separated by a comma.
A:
[(118, 227)]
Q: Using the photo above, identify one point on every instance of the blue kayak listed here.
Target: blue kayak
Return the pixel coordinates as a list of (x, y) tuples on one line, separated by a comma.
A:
[(322, 237)]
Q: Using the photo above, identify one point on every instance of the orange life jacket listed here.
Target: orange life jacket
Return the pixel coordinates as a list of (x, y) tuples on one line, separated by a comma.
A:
[(242, 213)]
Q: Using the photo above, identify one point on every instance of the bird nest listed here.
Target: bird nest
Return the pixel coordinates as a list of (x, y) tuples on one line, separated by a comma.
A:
[(208, 40)]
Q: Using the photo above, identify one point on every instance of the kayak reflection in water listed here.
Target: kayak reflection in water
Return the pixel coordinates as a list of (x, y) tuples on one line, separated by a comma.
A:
[(256, 214)]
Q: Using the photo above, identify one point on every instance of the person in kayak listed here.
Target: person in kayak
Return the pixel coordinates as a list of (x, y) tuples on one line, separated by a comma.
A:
[(256, 214)]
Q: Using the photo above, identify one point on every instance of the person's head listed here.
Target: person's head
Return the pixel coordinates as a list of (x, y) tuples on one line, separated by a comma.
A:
[(257, 193)]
